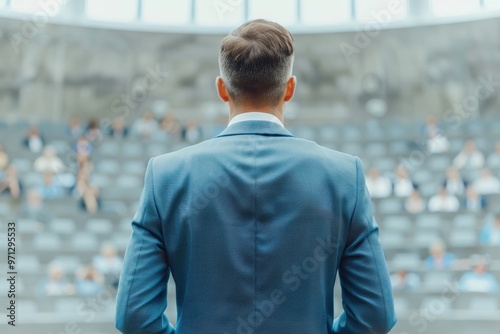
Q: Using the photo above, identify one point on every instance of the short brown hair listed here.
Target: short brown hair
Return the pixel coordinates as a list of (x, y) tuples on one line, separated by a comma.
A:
[(256, 61)]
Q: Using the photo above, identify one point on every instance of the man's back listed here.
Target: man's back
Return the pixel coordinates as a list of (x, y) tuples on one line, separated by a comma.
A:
[(253, 226)]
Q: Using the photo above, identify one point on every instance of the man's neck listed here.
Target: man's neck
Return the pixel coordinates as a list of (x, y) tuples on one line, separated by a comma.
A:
[(278, 112)]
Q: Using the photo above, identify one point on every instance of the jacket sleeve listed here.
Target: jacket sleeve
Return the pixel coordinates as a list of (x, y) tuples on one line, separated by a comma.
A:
[(142, 291), (364, 277)]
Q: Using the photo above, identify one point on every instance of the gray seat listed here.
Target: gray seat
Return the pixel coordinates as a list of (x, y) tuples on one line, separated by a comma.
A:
[(463, 238), (47, 241), (28, 264), (63, 226), (99, 226), (84, 241), (27, 226)]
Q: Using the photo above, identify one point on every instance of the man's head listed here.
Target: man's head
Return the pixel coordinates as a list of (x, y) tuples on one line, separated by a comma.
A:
[(256, 63)]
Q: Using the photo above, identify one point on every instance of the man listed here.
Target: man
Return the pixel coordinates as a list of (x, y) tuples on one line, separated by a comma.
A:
[(254, 224)]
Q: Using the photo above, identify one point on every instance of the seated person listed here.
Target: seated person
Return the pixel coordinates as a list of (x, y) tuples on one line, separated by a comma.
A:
[(35, 209), (88, 281), (474, 201), (403, 184), (191, 132), (493, 161), (479, 279), (436, 141), (108, 262), (438, 258), (50, 187), (87, 193), (490, 233), (470, 157), (10, 183), (414, 203), (443, 202), (170, 126), (4, 158), (118, 129), (487, 184), (146, 126), (48, 162), (378, 186), (403, 280), (454, 183), (55, 284), (34, 141)]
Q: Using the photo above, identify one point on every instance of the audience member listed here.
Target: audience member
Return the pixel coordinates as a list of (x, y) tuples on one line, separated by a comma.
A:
[(436, 141), (55, 284), (35, 209), (108, 262), (146, 126), (454, 183), (470, 157), (403, 184), (490, 233), (4, 158), (50, 187), (170, 126), (191, 132), (479, 279), (443, 202), (75, 128), (48, 162), (118, 129), (493, 161), (438, 258), (88, 281), (379, 186), (414, 203), (87, 193), (34, 141), (402, 280), (93, 133), (83, 148), (474, 201), (10, 184), (487, 184)]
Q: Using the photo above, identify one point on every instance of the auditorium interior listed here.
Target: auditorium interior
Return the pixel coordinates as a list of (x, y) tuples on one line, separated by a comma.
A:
[(90, 90)]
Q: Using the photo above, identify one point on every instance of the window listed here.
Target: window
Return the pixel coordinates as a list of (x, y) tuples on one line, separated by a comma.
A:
[(454, 7), (112, 10), (220, 12), (2, 3), (492, 4), (381, 11), (325, 12), (166, 11), (281, 11), (25, 6)]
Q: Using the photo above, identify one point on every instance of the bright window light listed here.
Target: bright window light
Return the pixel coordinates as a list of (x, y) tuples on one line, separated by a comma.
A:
[(325, 12), (455, 7), (2, 3), (166, 11), (282, 11), (220, 12), (492, 4), (25, 6), (382, 11), (112, 10)]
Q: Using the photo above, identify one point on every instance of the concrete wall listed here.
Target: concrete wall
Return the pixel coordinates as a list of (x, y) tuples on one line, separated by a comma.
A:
[(57, 71)]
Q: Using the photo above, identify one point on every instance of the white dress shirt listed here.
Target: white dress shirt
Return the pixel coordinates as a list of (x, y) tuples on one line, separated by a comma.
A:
[(255, 116)]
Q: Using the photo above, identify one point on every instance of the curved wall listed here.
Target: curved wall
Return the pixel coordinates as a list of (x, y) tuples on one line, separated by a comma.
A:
[(59, 70)]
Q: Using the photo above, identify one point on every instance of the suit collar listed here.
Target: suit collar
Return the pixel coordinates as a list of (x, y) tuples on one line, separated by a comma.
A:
[(264, 128)]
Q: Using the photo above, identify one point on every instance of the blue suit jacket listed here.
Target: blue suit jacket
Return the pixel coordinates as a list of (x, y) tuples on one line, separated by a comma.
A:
[(254, 225)]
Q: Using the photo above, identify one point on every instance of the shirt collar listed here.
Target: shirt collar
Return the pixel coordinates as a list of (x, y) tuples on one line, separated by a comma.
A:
[(255, 116)]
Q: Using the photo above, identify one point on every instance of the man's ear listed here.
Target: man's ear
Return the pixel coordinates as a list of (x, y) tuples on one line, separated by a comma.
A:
[(221, 89), (290, 88)]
